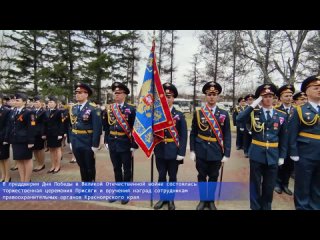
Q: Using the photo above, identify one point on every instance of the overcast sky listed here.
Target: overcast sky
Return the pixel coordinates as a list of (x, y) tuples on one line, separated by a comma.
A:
[(187, 45)]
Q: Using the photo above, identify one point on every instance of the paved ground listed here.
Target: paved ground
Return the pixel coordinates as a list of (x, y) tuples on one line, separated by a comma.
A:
[(236, 170)]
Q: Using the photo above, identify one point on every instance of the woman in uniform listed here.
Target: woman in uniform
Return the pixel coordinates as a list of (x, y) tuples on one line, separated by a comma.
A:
[(21, 135), (54, 130)]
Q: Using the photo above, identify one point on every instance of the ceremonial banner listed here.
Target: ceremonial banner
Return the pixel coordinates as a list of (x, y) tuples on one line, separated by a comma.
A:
[(153, 113)]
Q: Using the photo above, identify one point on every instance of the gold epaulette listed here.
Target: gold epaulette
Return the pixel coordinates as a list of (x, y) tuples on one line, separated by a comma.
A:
[(201, 126), (93, 104), (280, 111), (311, 122), (131, 104)]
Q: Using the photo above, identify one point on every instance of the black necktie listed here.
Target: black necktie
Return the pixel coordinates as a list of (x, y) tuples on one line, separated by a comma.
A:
[(268, 115), (79, 108)]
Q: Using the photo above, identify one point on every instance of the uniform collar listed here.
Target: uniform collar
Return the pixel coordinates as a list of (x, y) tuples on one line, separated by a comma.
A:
[(314, 105), (267, 109)]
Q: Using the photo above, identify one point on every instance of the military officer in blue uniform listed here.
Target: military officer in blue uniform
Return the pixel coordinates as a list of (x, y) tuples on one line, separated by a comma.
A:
[(304, 147), (171, 151), (21, 135), (299, 98), (4, 146), (41, 119), (86, 128), (240, 127), (247, 134), (285, 94), (210, 143), (268, 147), (118, 123)]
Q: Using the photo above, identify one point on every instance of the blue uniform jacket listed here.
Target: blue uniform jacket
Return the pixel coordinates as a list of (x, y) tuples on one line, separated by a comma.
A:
[(21, 128), (41, 121), (4, 123), (274, 132), (89, 118), (169, 150), (304, 146), (119, 143), (235, 113), (210, 151)]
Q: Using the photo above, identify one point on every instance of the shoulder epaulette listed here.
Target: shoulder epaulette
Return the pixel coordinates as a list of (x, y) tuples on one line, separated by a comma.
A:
[(93, 104), (280, 111), (131, 104)]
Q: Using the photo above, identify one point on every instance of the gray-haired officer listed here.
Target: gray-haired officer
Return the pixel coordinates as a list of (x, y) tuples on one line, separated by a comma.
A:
[(285, 94), (304, 147), (171, 151), (86, 128), (118, 123), (210, 143), (268, 148)]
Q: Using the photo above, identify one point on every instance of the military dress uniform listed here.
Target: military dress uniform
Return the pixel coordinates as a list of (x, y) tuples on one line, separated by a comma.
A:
[(240, 127), (174, 144), (40, 130), (269, 144), (304, 144), (54, 126), (21, 131), (247, 134), (118, 123), (285, 170), (4, 124), (210, 146), (85, 131)]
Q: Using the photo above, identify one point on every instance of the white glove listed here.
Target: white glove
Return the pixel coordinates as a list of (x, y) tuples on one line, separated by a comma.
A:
[(59, 137), (192, 156), (180, 157), (30, 145), (241, 129), (70, 146), (225, 159), (94, 149), (106, 146), (5, 143), (281, 161), (43, 137), (132, 150), (256, 102), (295, 158)]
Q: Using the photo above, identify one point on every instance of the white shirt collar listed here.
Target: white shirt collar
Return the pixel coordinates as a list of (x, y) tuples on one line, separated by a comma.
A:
[(267, 109), (19, 109), (82, 105), (314, 105), (171, 109), (120, 104), (214, 109)]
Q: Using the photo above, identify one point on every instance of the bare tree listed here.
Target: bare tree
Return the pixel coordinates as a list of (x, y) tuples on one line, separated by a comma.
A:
[(195, 78), (290, 46), (312, 48), (258, 47)]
